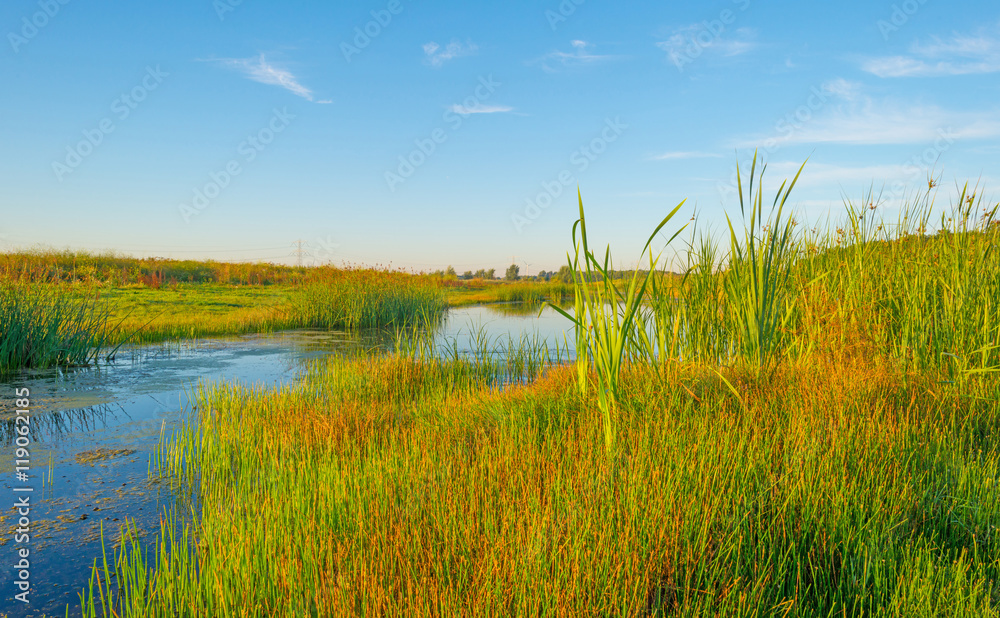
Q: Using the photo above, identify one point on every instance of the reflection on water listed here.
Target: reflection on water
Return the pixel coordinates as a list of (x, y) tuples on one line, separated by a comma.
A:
[(468, 326), (124, 405)]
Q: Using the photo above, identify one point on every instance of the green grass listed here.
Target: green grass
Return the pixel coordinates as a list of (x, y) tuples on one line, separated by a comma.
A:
[(390, 486), (610, 331), (760, 264), (154, 300), (188, 311), (41, 327), (808, 425), (367, 299), (480, 292)]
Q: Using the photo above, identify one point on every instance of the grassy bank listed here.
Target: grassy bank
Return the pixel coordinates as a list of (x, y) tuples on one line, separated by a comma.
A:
[(367, 299), (353, 300), (480, 292), (812, 429), (46, 323), (396, 487)]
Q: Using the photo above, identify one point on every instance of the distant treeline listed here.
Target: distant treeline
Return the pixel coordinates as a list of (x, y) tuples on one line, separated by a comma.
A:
[(563, 275)]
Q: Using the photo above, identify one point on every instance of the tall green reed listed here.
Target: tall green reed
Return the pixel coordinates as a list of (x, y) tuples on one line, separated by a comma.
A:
[(366, 300), (607, 320), (760, 263), (42, 326)]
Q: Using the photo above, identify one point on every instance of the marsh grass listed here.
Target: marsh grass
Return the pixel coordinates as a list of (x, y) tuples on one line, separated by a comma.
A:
[(533, 293), (808, 426), (759, 267), (394, 486), (43, 326), (609, 329), (367, 299), (353, 300), (926, 298)]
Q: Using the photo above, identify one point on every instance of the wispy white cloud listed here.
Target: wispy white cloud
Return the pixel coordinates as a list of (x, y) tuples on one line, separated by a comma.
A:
[(258, 69), (686, 44), (873, 124), (842, 114), (742, 43), (435, 55), (842, 88), (579, 56), (668, 156), (958, 55), (480, 109)]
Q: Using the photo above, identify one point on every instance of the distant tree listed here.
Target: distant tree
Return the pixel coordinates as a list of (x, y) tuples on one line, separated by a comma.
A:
[(565, 274), (467, 275), (513, 273), (450, 274)]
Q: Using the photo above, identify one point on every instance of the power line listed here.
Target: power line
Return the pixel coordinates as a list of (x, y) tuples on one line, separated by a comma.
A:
[(299, 253)]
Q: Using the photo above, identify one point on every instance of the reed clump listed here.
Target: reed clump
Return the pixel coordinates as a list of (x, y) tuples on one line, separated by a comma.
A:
[(44, 326), (533, 293), (367, 299)]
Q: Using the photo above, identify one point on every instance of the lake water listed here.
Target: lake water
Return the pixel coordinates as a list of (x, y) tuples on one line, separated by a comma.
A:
[(116, 412)]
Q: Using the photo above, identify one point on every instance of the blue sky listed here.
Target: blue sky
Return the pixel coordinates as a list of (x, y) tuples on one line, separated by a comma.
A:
[(423, 134)]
